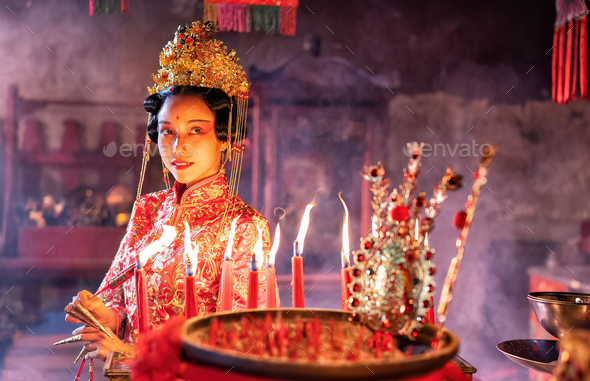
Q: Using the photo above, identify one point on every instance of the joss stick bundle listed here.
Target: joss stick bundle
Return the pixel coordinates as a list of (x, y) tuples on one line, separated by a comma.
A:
[(302, 339)]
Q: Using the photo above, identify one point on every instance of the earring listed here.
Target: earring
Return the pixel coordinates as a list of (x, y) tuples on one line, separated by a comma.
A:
[(166, 171)]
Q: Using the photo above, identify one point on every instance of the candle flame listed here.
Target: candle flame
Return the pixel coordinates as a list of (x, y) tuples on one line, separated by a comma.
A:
[(304, 226), (191, 254), (230, 240), (275, 246), (374, 226), (258, 249), (154, 247), (426, 239), (417, 230), (345, 236)]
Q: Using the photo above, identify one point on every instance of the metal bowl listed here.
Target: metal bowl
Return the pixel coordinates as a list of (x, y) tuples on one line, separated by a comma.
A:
[(422, 360), (540, 355), (559, 312)]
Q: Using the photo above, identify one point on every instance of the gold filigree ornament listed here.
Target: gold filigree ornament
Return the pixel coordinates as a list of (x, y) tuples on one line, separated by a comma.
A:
[(393, 276), (195, 58)]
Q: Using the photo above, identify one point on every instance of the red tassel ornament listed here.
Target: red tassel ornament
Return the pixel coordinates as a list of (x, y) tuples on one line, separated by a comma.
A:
[(569, 42)]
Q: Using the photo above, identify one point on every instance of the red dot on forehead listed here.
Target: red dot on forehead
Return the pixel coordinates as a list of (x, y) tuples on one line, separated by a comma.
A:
[(177, 117)]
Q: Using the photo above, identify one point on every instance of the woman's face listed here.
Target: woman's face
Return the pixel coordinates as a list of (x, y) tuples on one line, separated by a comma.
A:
[(187, 141)]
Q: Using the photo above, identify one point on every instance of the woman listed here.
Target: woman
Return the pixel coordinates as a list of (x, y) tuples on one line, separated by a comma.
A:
[(194, 127)]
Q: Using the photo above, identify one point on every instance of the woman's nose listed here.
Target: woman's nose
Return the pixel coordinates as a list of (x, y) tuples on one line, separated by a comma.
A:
[(180, 147), (175, 147)]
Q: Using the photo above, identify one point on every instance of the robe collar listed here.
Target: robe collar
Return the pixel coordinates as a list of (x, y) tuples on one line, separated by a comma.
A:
[(210, 188)]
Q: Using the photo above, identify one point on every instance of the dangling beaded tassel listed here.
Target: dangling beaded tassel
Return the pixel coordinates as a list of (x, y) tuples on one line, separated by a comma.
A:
[(166, 171), (91, 370), (144, 161), (231, 111)]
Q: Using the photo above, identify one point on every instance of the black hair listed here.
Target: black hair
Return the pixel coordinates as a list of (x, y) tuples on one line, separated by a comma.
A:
[(217, 100)]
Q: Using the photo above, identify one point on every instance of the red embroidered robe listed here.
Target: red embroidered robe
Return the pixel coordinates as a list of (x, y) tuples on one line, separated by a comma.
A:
[(202, 206)]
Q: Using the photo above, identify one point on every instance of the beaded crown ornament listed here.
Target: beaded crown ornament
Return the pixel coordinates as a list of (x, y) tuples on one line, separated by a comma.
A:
[(195, 58), (392, 278)]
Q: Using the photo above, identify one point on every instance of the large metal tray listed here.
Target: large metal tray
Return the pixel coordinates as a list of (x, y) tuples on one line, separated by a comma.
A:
[(423, 359)]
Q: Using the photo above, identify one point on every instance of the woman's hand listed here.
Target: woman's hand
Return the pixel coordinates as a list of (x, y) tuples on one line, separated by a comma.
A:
[(96, 307), (99, 343)]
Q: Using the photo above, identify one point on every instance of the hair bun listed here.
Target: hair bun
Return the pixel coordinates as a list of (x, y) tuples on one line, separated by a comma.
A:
[(153, 104)]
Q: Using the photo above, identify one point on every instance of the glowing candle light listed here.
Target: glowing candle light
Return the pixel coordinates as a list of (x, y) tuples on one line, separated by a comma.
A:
[(166, 239), (297, 260), (344, 268), (255, 263), (190, 301), (271, 292), (226, 288)]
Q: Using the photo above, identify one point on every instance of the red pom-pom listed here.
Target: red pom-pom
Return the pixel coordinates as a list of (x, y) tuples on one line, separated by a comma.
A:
[(400, 213), (460, 219), (157, 356)]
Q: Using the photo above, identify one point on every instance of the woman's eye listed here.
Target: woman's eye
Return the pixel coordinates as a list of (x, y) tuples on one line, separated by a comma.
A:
[(166, 131), (196, 131)]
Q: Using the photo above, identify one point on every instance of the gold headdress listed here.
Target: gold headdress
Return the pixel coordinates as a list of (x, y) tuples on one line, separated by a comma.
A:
[(195, 58)]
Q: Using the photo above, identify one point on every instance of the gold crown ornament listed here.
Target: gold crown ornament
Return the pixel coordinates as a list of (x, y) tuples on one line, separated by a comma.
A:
[(195, 58), (393, 276)]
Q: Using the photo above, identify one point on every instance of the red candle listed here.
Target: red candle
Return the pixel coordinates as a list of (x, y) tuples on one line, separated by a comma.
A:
[(253, 285), (271, 292), (142, 300), (226, 287), (345, 280), (430, 313), (257, 257), (297, 269), (345, 268), (297, 260), (190, 301)]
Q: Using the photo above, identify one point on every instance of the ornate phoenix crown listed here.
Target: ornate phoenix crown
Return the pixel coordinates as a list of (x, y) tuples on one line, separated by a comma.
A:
[(393, 281), (194, 58)]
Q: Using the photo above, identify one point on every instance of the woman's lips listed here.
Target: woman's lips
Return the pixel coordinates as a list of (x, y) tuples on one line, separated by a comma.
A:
[(181, 165)]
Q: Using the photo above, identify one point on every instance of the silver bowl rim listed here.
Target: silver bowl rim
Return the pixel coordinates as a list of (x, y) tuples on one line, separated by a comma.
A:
[(533, 362), (538, 297)]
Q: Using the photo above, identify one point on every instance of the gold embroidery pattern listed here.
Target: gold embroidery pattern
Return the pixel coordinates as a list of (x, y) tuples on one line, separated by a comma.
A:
[(200, 206)]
